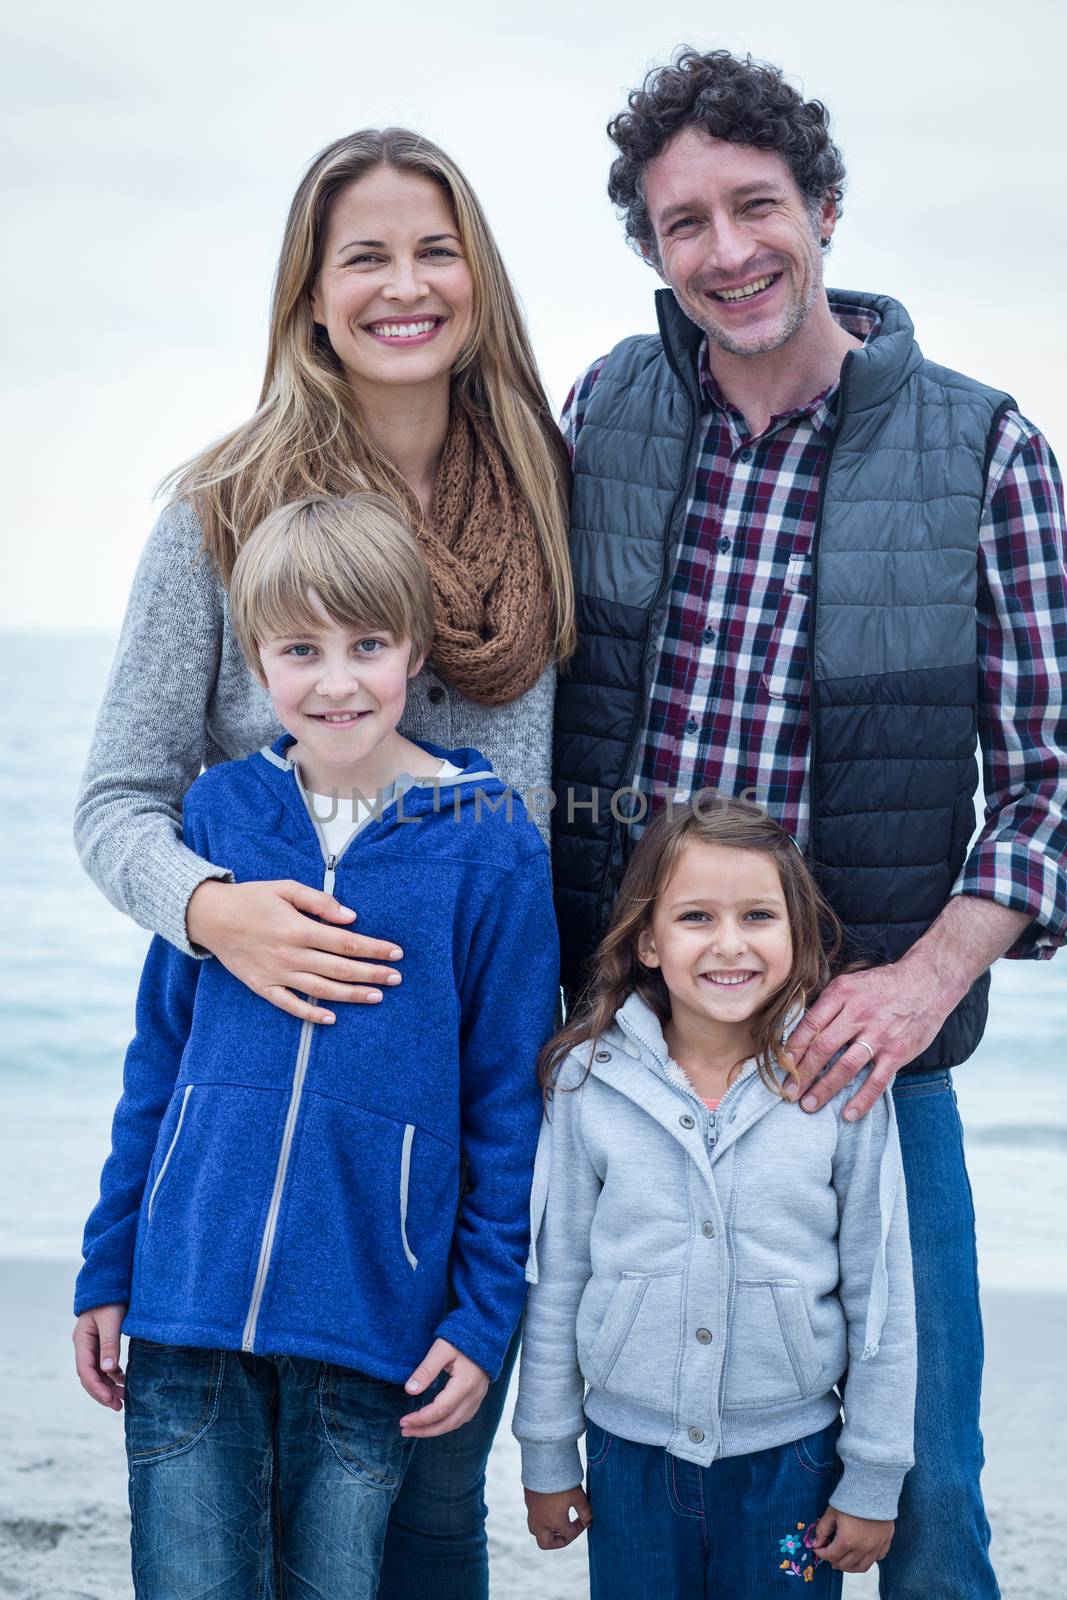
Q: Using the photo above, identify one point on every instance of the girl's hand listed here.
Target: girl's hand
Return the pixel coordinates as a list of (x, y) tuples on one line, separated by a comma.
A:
[(96, 1354), (458, 1400), (549, 1516), (851, 1544), (264, 933)]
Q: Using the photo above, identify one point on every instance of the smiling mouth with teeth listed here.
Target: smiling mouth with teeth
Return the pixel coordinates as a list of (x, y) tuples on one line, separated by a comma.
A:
[(404, 330), (729, 980), (747, 290), (336, 716)]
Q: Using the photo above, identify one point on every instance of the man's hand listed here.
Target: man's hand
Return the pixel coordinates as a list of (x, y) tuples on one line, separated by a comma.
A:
[(96, 1354), (549, 1516), (267, 935), (851, 1544), (898, 1009), (458, 1400)]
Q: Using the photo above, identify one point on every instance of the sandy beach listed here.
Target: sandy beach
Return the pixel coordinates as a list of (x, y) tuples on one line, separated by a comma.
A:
[(64, 1524)]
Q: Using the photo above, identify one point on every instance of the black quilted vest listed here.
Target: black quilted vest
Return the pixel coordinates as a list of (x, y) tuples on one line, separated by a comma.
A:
[(893, 680)]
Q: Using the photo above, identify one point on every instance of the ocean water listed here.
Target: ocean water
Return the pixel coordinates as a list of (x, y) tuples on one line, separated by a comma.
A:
[(69, 965)]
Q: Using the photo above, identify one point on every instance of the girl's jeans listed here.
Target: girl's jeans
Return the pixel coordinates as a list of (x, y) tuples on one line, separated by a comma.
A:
[(254, 1474), (670, 1529), (941, 1547)]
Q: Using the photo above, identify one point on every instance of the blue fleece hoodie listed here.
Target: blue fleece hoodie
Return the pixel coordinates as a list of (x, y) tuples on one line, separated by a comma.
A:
[(285, 1187)]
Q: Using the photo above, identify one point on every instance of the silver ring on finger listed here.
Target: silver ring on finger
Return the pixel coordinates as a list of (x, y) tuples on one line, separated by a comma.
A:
[(868, 1049)]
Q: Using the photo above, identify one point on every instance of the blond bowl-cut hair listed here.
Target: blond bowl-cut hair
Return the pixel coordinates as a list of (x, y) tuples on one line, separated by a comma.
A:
[(358, 557)]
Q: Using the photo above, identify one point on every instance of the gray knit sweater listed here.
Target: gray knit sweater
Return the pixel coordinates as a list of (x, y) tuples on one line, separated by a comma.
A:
[(180, 697)]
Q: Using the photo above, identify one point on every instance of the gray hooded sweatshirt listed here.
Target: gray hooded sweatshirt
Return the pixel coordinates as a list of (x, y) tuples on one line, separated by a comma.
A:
[(702, 1280)]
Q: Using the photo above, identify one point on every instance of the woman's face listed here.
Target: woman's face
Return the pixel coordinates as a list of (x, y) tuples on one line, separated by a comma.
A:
[(394, 292)]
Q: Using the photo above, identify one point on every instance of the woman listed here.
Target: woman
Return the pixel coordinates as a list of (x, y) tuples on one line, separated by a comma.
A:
[(397, 362)]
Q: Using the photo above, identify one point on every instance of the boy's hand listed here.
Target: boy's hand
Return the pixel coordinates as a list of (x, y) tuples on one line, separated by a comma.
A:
[(96, 1354), (458, 1400), (549, 1516), (851, 1544)]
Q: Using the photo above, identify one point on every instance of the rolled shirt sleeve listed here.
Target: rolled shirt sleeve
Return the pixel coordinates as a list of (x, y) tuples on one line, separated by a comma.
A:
[(1020, 856)]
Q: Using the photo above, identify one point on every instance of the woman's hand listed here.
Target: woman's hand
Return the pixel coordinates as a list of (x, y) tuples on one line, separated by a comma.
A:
[(458, 1400), (548, 1516), (96, 1354), (264, 933), (851, 1544)]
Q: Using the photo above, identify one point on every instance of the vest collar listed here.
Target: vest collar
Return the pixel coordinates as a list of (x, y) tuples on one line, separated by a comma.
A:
[(875, 373)]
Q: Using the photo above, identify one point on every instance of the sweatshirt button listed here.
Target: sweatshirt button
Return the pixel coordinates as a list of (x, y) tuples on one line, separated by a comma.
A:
[(703, 1336), (686, 1120), (436, 695), (708, 1229), (696, 1435)]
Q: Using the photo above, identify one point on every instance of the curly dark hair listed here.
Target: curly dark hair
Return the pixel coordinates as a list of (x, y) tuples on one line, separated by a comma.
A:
[(726, 97)]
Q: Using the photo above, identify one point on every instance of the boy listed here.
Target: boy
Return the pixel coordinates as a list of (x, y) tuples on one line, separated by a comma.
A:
[(277, 1229)]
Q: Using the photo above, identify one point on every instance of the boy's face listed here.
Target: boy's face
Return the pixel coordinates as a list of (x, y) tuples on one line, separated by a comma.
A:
[(339, 691)]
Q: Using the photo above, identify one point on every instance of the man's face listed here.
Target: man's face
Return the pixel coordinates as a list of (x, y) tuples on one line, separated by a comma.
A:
[(737, 242)]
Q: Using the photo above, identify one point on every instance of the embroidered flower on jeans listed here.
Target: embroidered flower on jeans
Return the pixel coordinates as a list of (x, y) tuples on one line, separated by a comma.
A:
[(799, 1544)]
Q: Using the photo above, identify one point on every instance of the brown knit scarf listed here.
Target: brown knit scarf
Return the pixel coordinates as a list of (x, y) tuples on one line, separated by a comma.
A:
[(493, 637)]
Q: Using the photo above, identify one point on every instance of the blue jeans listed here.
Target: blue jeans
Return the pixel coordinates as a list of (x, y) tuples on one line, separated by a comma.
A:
[(941, 1547), (667, 1528), (436, 1543), (254, 1476)]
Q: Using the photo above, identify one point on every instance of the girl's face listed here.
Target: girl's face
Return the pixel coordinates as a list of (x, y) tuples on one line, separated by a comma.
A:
[(720, 933), (394, 291)]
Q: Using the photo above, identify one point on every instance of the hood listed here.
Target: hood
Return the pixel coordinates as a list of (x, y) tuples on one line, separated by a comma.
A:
[(405, 799), (642, 1032)]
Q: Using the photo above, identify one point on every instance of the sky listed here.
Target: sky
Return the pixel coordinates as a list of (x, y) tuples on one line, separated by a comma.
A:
[(152, 154)]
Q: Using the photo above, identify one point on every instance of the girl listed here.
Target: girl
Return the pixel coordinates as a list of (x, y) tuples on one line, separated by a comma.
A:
[(397, 362), (709, 1262)]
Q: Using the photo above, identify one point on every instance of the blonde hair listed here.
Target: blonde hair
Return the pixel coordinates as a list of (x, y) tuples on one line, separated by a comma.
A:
[(707, 817), (307, 435), (357, 554)]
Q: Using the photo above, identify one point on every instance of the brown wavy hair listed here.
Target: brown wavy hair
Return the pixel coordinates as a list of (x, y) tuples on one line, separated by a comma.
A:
[(705, 818), (307, 437)]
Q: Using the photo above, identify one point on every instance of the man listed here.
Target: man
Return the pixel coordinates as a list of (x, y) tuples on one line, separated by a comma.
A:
[(811, 566)]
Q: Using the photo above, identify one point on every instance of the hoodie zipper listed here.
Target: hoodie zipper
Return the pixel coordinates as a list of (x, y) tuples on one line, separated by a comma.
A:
[(711, 1123), (266, 1247), (303, 1051)]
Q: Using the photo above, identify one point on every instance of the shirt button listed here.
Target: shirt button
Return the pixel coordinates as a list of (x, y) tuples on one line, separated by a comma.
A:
[(692, 725), (724, 545), (703, 1336), (708, 1229), (708, 635), (603, 1055), (696, 1435), (436, 695), (745, 454), (686, 1120)]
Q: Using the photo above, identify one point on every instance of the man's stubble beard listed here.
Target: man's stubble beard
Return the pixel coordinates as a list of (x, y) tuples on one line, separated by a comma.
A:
[(795, 320)]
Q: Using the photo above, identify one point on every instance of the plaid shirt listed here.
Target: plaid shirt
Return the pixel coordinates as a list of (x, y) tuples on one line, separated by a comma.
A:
[(729, 704)]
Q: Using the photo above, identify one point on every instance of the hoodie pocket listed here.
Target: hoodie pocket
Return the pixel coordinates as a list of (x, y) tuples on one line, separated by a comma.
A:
[(204, 1209), (771, 1354), (365, 1230), (633, 1351), (161, 1174)]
